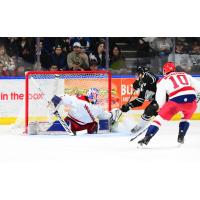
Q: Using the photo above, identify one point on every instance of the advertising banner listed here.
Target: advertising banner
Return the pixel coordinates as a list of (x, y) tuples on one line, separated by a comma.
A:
[(13, 89)]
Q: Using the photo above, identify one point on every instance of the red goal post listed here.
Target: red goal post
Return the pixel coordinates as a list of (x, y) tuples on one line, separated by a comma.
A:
[(58, 83)]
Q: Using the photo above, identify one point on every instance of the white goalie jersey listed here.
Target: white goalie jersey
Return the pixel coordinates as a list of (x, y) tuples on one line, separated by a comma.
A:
[(82, 111)]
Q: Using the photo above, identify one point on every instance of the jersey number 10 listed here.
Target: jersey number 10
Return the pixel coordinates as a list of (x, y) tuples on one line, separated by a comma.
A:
[(179, 80)]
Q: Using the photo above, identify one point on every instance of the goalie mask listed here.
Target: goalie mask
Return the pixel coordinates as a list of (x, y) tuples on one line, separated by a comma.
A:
[(92, 95)]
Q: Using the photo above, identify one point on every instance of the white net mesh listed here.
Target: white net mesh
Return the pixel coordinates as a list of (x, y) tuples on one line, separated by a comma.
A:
[(42, 86)]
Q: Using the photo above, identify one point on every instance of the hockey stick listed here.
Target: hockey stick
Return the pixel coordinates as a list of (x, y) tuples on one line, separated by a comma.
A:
[(56, 113), (126, 103), (140, 133)]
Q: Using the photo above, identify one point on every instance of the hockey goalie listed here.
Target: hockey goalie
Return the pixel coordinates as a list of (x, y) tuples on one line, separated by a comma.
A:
[(83, 112)]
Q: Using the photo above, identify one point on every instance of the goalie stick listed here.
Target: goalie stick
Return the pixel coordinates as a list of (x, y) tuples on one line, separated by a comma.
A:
[(56, 113)]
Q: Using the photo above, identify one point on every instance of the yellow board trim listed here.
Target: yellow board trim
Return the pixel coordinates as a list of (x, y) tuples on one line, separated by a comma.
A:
[(11, 120)]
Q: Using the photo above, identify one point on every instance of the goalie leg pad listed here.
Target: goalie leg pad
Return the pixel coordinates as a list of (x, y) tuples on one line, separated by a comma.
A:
[(104, 124), (56, 126)]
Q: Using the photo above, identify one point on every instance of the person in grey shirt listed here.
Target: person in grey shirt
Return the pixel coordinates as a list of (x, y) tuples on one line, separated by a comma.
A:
[(77, 59)]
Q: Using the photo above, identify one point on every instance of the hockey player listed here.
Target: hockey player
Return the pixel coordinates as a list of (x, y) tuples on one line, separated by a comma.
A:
[(83, 111), (181, 89), (146, 84)]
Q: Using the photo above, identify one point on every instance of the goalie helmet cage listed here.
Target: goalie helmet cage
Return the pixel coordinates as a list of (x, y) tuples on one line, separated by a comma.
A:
[(41, 86)]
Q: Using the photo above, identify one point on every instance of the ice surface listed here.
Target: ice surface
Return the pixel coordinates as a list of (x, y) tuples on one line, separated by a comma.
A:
[(100, 167)]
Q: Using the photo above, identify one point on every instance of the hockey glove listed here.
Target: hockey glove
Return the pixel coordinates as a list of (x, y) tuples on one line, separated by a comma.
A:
[(136, 85), (125, 108)]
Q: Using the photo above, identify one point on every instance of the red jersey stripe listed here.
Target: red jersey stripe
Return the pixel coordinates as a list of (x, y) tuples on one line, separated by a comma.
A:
[(157, 122), (181, 90)]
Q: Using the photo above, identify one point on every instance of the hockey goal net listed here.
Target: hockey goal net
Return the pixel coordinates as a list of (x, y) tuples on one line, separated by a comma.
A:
[(41, 86)]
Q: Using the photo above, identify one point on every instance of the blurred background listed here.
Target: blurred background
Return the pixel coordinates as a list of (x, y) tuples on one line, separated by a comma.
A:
[(120, 55)]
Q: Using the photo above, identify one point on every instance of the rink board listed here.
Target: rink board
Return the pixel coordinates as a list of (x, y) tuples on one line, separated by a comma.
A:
[(12, 97)]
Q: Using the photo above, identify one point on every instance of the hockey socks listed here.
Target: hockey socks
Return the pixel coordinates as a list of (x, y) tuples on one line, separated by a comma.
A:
[(183, 128), (152, 130)]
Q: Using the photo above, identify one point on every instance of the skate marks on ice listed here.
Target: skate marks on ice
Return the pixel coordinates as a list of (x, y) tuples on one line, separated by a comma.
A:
[(150, 147)]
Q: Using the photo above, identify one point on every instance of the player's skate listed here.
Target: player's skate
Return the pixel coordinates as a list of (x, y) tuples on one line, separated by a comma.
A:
[(145, 140), (180, 139)]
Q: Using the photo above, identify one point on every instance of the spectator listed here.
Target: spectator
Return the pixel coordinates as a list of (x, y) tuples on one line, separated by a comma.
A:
[(7, 65), (44, 57), (179, 48), (143, 49), (13, 47), (161, 47), (53, 68), (100, 54), (93, 65), (195, 56), (27, 49), (117, 60), (195, 48), (64, 42), (183, 60), (59, 58), (84, 41), (77, 60), (48, 44)]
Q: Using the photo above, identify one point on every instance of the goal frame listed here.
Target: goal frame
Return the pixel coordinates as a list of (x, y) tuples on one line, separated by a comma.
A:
[(29, 73)]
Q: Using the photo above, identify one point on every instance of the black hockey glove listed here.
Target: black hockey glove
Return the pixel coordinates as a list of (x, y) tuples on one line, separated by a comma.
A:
[(136, 85), (125, 107)]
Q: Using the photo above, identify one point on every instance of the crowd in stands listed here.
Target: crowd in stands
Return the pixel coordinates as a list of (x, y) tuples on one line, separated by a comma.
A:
[(187, 54), (18, 55)]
